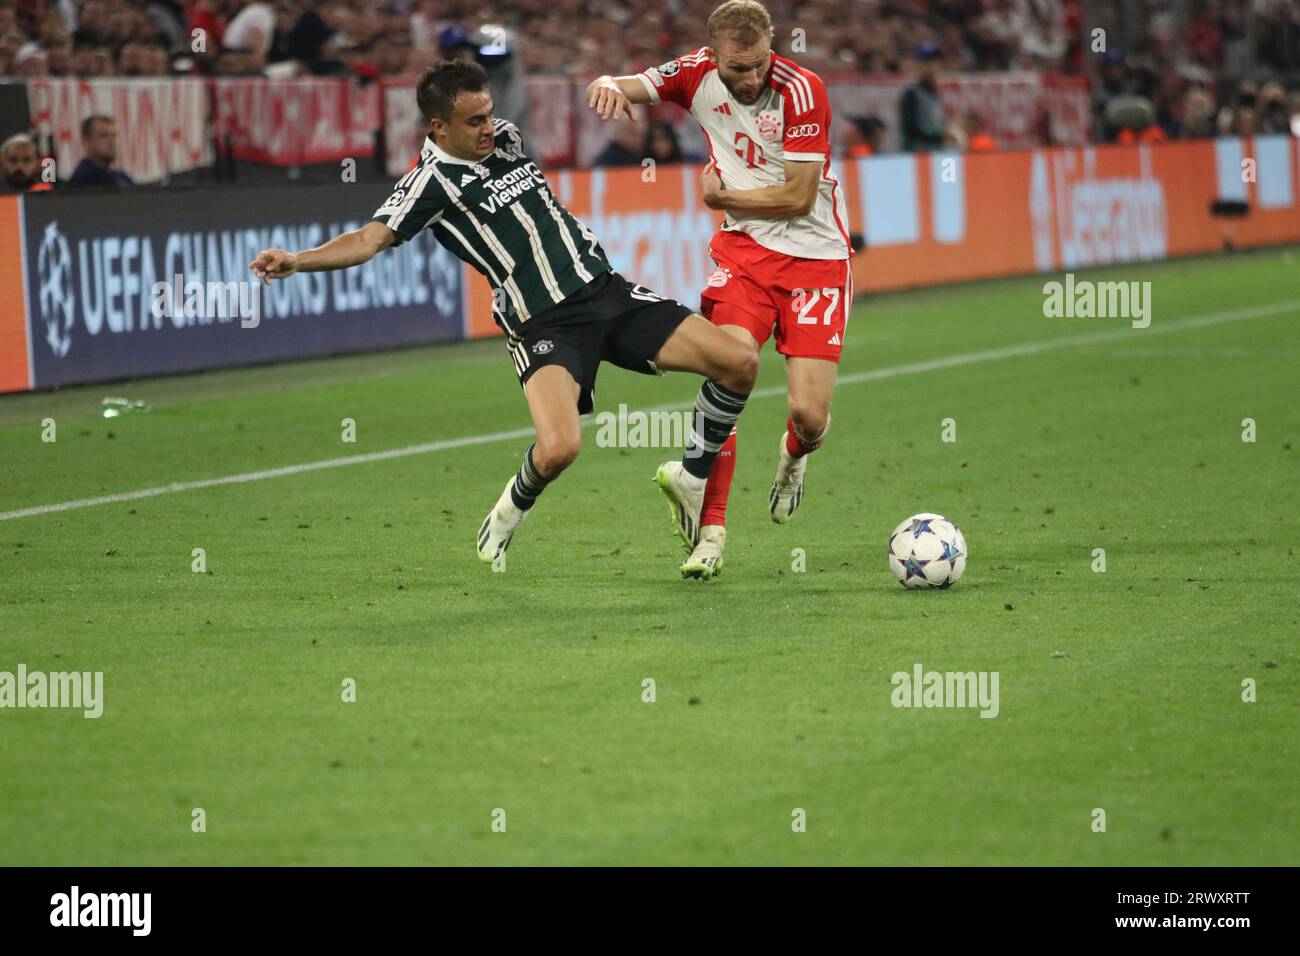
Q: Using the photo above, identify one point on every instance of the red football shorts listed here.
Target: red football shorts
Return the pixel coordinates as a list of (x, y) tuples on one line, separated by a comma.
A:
[(805, 300)]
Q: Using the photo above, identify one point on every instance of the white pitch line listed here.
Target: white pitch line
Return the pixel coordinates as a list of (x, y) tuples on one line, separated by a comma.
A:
[(1069, 341), (874, 375)]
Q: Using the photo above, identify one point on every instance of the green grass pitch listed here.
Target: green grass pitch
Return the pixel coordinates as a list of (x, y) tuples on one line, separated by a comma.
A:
[(522, 690)]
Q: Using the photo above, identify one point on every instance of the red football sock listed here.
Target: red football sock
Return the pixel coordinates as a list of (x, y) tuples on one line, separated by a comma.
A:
[(796, 446), (719, 486)]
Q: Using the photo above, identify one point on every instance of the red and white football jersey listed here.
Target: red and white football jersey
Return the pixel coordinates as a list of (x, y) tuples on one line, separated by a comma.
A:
[(750, 144)]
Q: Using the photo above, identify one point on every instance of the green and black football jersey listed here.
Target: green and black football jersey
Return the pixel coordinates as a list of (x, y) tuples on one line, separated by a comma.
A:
[(499, 216)]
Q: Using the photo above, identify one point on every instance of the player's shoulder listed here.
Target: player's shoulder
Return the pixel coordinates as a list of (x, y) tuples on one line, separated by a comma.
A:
[(422, 187), (506, 136), (693, 66), (802, 88), (785, 67)]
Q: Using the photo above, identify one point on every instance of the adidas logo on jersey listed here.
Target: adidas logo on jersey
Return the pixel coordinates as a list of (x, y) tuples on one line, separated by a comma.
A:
[(835, 340), (724, 108), (466, 179)]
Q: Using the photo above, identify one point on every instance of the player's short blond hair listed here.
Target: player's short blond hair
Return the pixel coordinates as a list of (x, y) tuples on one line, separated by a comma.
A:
[(743, 22)]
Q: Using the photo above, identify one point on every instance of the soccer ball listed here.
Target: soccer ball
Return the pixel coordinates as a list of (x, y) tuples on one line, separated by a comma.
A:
[(927, 551)]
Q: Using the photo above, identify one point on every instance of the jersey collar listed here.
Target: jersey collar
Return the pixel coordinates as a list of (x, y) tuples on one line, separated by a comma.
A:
[(442, 156)]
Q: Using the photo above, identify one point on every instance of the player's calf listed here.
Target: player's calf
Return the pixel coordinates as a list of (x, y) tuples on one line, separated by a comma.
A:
[(731, 367)]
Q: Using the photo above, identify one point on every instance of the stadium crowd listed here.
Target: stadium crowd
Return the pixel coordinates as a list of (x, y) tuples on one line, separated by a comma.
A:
[(1159, 69), (582, 37)]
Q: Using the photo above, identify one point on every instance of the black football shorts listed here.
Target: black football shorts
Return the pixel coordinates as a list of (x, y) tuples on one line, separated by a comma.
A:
[(607, 320)]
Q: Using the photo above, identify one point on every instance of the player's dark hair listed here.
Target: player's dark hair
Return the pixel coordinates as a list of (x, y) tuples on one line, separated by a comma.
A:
[(443, 82)]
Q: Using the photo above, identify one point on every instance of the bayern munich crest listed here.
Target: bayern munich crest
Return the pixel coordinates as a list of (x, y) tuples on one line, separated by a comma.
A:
[(769, 127)]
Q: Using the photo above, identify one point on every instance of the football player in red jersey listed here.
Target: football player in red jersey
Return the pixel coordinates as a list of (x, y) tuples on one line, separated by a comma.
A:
[(782, 252)]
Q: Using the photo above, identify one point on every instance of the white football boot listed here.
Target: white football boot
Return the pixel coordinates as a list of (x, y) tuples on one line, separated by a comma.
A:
[(787, 487), (706, 560), (499, 526), (685, 494)]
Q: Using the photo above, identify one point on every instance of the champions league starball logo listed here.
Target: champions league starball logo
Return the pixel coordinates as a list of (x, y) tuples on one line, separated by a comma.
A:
[(54, 269)]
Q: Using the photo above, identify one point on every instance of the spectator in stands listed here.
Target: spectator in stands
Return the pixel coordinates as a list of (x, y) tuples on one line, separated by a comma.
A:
[(1198, 114), (920, 112), (1044, 43), (159, 59), (99, 142), (233, 62), (168, 19), (89, 59), (1203, 35), (59, 56), (627, 148), (492, 47), (661, 144), (1274, 115), (311, 41), (394, 37), (1243, 104), (1115, 80), (454, 43), (997, 34), (125, 23), (863, 136), (424, 23), (1245, 122), (1130, 120), (251, 32), (131, 60), (10, 43), (207, 29), (31, 60), (978, 138), (21, 165), (1169, 100), (496, 46)]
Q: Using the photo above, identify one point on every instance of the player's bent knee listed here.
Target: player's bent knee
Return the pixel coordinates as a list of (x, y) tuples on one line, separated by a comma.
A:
[(749, 369), (552, 454), (740, 371), (810, 421)]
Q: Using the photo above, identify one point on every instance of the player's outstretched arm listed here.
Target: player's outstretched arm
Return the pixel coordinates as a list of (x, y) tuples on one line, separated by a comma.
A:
[(795, 197), (611, 95), (341, 252)]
